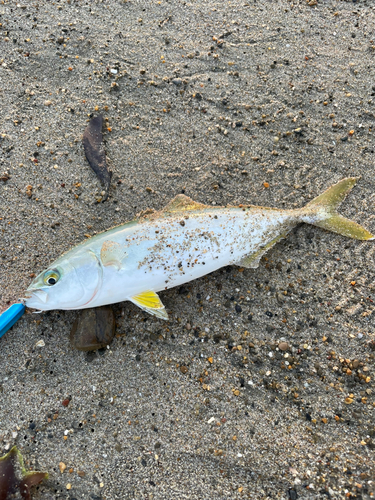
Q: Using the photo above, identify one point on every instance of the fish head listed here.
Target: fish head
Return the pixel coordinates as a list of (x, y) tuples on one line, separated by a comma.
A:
[(71, 282)]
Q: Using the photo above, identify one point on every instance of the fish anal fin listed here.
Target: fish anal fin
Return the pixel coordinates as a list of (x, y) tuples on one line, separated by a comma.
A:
[(150, 302), (112, 254), (182, 203), (252, 261)]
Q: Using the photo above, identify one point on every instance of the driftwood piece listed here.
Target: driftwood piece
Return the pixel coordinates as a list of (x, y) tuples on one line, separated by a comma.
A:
[(95, 153)]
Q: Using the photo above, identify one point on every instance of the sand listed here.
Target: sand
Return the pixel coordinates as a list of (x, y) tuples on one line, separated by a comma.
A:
[(259, 102)]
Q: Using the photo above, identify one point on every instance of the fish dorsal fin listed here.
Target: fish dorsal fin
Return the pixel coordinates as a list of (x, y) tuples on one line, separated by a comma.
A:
[(149, 301), (112, 254), (182, 203)]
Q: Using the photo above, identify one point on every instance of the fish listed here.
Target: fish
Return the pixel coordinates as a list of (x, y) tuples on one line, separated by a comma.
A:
[(184, 241)]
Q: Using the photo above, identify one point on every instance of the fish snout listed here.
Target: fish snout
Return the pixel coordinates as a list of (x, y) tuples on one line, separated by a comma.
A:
[(35, 298)]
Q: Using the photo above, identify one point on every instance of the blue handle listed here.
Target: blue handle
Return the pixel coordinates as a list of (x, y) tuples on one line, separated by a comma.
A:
[(10, 316)]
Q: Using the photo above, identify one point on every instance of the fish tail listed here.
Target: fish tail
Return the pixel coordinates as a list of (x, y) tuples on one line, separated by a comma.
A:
[(322, 212)]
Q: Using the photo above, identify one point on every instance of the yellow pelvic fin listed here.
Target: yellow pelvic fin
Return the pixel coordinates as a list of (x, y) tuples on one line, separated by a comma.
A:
[(182, 203), (326, 204), (252, 261), (112, 254), (149, 301)]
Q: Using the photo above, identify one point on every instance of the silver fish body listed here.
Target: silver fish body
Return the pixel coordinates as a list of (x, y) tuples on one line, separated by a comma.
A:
[(165, 249)]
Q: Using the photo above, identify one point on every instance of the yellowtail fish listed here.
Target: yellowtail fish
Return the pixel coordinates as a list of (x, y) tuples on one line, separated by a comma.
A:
[(182, 242)]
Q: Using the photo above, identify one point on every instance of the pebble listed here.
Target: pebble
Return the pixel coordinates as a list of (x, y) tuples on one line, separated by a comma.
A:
[(283, 346), (184, 369), (62, 467), (177, 81)]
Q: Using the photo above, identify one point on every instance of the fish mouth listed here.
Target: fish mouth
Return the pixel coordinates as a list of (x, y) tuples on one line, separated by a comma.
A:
[(35, 295)]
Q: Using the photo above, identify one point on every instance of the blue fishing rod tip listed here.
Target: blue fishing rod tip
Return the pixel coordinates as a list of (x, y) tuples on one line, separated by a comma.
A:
[(10, 316)]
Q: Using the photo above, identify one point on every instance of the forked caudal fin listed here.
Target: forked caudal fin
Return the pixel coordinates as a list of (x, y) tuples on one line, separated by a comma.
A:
[(325, 205)]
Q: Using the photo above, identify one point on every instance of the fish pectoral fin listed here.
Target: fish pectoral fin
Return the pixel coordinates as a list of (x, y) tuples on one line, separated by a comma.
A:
[(112, 254), (252, 261), (182, 203), (149, 301)]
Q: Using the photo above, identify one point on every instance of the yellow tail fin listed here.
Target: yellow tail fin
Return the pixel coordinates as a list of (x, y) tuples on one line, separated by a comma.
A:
[(325, 207)]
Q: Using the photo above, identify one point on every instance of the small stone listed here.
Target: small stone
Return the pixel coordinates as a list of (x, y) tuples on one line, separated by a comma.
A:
[(47, 103), (283, 346), (5, 177), (177, 81), (292, 494), (62, 467), (68, 486), (81, 473), (65, 402), (184, 369)]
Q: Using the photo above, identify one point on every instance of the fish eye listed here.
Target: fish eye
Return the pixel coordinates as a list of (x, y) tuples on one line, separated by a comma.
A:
[(51, 277)]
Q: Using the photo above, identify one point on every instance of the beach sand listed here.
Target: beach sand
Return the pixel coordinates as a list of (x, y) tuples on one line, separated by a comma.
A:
[(261, 384)]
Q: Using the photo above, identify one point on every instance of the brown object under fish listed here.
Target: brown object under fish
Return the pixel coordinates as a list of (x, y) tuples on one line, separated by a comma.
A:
[(93, 329)]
